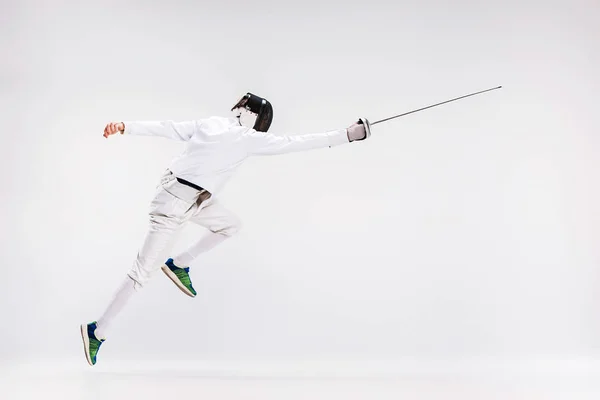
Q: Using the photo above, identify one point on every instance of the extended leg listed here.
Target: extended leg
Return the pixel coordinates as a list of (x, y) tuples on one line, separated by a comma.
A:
[(167, 213), (120, 298), (162, 226)]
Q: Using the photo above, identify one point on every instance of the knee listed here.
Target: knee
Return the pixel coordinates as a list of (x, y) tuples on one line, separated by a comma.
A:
[(137, 285), (233, 226)]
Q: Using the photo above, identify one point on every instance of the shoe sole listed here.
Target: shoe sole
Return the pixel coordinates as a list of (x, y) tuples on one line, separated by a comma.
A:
[(176, 281), (86, 344)]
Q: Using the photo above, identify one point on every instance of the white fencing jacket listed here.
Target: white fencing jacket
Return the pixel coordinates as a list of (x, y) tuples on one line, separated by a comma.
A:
[(217, 146)]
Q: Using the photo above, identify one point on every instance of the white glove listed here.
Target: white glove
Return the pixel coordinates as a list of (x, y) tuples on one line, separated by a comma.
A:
[(356, 132)]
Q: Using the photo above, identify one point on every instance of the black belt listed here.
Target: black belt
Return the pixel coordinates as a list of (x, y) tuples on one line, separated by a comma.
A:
[(190, 184)]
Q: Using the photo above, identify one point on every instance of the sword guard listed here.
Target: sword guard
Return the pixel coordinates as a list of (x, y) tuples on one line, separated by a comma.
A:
[(367, 124)]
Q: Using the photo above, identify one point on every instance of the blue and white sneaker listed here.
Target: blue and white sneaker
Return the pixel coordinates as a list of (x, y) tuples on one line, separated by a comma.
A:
[(91, 344)]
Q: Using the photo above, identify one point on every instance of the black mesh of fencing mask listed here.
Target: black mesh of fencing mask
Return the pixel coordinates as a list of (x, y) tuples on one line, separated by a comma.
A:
[(259, 107)]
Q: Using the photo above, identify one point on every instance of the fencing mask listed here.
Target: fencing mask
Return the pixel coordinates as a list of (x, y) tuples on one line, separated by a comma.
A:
[(255, 112)]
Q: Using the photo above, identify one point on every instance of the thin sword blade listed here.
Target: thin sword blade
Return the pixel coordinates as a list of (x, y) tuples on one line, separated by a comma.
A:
[(434, 105)]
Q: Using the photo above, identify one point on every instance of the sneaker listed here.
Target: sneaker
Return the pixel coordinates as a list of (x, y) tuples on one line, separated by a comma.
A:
[(91, 344), (180, 277)]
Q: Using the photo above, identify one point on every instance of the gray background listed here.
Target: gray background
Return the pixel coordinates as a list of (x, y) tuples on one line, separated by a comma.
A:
[(467, 231)]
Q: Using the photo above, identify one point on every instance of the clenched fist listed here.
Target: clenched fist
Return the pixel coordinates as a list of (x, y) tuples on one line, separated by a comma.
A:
[(113, 127)]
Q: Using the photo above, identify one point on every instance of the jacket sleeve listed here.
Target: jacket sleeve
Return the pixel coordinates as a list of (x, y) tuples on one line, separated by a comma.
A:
[(180, 131), (262, 143)]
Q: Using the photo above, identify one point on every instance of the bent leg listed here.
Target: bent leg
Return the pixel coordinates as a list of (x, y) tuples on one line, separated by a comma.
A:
[(221, 223)]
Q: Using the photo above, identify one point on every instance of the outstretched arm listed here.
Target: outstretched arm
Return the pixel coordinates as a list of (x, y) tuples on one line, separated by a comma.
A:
[(262, 143), (180, 131)]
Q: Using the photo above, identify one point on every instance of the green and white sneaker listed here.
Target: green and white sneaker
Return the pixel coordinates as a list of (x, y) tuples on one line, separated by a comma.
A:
[(180, 277), (91, 344)]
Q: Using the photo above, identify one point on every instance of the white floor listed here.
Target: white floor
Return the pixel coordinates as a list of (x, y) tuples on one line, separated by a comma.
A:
[(127, 382)]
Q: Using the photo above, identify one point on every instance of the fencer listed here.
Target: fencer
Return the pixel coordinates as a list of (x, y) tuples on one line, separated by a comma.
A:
[(188, 191)]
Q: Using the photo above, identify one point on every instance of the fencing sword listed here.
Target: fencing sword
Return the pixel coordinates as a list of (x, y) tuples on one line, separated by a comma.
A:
[(368, 124)]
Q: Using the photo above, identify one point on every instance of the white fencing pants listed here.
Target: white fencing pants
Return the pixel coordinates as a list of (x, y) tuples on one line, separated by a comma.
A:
[(173, 205)]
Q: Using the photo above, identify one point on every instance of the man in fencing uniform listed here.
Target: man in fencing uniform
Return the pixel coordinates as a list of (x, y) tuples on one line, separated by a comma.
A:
[(215, 148)]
